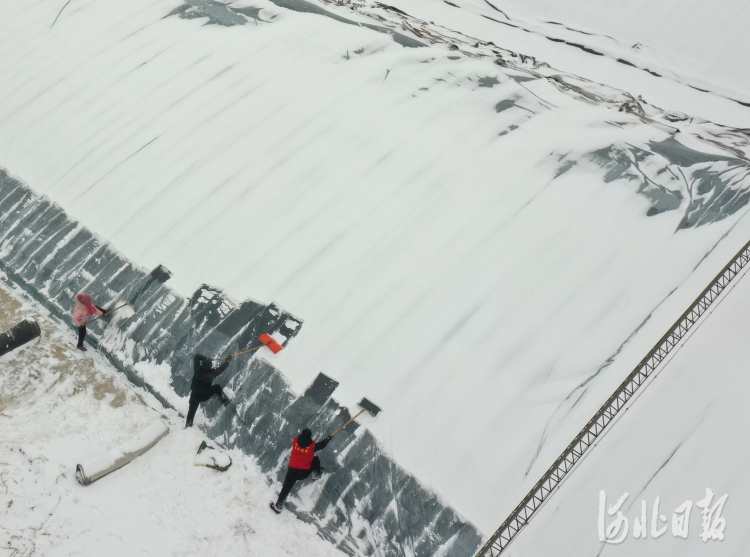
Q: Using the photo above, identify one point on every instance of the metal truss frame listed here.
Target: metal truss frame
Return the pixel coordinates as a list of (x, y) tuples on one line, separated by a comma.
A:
[(544, 488)]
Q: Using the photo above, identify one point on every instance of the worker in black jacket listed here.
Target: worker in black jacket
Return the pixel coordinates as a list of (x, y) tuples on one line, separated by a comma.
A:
[(302, 463), (202, 387)]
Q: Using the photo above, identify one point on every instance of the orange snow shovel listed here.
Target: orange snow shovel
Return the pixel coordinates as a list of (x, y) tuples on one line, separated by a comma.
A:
[(373, 409), (267, 341), (111, 312)]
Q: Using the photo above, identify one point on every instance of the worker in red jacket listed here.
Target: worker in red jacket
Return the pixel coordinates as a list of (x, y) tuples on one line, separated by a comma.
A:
[(302, 463)]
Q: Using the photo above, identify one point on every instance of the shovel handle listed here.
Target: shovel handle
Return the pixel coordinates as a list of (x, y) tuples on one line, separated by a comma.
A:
[(240, 353), (110, 311), (347, 423)]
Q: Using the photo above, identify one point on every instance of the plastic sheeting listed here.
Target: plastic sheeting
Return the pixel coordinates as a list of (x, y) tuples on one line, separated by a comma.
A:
[(18, 335), (97, 467)]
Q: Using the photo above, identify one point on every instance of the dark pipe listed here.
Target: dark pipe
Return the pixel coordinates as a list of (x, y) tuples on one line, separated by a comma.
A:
[(19, 335)]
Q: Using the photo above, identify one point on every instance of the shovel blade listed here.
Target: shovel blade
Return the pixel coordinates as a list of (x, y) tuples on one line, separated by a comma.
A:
[(370, 406), (128, 311), (272, 345)]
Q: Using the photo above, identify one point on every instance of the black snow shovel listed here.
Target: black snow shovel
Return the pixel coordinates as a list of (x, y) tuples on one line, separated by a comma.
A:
[(372, 408)]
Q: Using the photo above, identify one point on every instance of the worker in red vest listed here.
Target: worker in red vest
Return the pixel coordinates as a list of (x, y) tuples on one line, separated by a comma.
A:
[(302, 463)]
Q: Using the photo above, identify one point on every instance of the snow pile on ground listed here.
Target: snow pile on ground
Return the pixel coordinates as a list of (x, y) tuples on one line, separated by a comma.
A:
[(59, 407)]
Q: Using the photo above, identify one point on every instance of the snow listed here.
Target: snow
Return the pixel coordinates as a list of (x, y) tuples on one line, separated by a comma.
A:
[(99, 466), (699, 43), (59, 407), (688, 57), (159, 377), (685, 433), (444, 266)]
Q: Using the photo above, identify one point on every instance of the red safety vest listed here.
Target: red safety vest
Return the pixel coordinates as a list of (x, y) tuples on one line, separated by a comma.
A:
[(301, 458)]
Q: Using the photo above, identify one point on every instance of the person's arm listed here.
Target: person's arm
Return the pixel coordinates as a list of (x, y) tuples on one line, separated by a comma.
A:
[(320, 445), (222, 367)]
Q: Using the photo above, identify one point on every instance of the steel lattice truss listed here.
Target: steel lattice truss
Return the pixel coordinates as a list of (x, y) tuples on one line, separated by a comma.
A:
[(593, 429)]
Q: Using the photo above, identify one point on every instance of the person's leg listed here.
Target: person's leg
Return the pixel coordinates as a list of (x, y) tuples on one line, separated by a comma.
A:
[(81, 336), (225, 400), (316, 469), (292, 475), (192, 409), (289, 481), (195, 400)]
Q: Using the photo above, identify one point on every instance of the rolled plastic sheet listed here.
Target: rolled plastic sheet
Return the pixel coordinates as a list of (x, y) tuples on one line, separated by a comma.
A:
[(19, 334), (97, 467)]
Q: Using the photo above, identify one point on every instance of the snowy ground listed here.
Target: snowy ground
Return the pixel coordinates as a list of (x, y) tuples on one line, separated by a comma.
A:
[(437, 220), (59, 407)]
